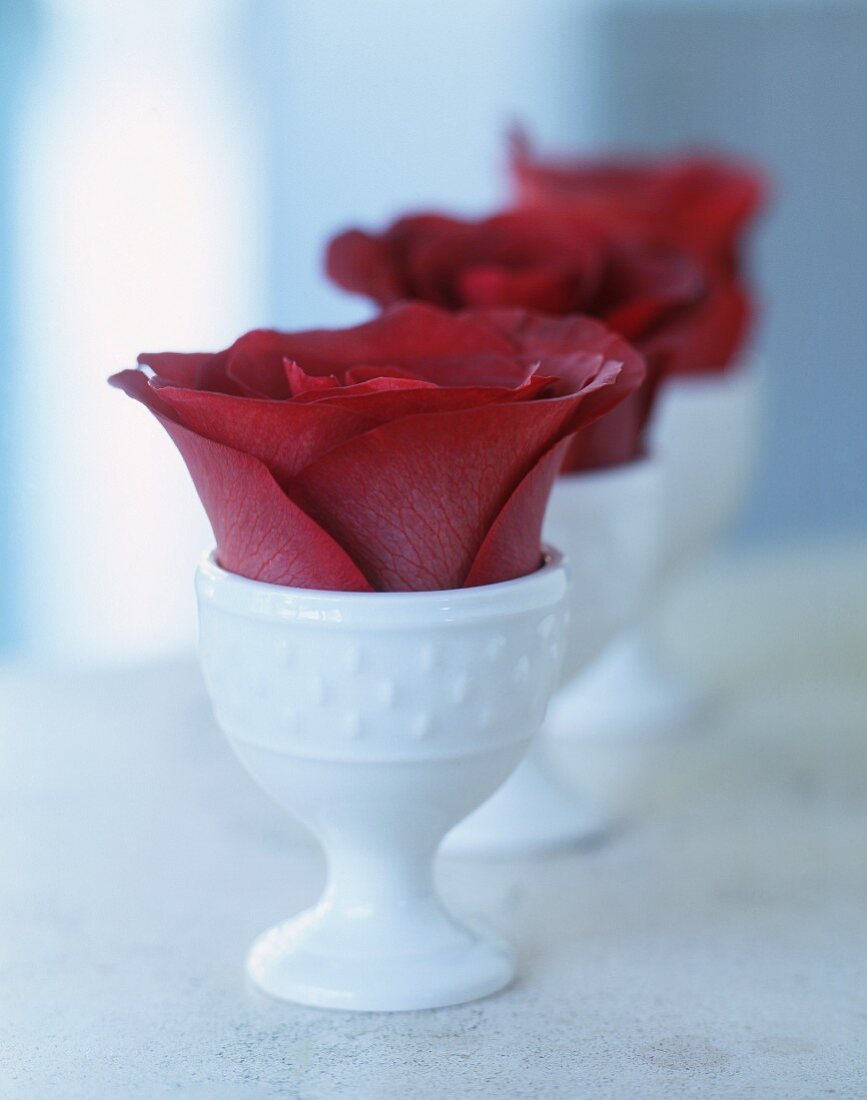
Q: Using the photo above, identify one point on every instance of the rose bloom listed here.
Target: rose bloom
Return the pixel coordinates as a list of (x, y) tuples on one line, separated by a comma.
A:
[(703, 205), (546, 261), (413, 452)]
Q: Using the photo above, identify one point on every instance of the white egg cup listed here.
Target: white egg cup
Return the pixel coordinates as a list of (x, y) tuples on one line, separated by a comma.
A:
[(607, 524), (380, 720), (705, 433)]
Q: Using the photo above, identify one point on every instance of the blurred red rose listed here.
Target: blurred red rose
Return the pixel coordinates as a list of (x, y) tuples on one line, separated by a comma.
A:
[(546, 261), (702, 205), (413, 452)]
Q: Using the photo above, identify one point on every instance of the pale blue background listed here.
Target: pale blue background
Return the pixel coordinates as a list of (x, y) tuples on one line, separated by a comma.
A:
[(18, 33)]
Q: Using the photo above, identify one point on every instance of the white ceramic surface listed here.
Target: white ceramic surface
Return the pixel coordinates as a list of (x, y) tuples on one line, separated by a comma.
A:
[(704, 434), (628, 692), (380, 720), (606, 523)]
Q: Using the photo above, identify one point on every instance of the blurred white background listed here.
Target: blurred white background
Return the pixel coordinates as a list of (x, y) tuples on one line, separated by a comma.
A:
[(171, 171)]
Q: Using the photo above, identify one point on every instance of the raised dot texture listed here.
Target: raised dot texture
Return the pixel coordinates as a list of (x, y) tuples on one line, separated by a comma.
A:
[(522, 669), (419, 726), (331, 691), (460, 688), (385, 692), (352, 658), (427, 657), (546, 626)]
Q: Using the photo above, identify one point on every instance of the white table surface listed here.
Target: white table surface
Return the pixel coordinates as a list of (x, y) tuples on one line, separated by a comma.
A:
[(716, 946)]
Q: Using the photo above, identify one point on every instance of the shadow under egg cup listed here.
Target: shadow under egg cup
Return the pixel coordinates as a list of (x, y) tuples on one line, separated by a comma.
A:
[(607, 524), (380, 720)]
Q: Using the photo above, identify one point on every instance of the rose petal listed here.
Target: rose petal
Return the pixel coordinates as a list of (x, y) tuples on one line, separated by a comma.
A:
[(377, 385), (615, 434), (385, 406), (701, 203), (550, 289), (571, 348), (301, 383), (199, 370), (376, 378), (411, 336), (360, 261), (412, 501), (286, 435), (425, 269), (613, 439), (649, 290), (255, 362), (511, 548), (717, 331), (260, 533)]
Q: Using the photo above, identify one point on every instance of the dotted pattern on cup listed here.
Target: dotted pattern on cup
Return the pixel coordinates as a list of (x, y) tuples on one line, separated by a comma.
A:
[(450, 690)]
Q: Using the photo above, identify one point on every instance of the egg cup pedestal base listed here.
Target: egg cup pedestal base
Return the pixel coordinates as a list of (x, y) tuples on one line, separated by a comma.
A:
[(437, 962), (627, 692), (532, 813), (380, 939)]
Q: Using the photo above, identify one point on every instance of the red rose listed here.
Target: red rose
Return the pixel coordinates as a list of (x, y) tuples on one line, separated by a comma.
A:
[(542, 261), (702, 205), (413, 452)]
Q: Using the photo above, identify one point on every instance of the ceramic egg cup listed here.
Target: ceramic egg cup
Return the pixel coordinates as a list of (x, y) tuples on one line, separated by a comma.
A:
[(606, 523), (380, 720), (704, 433)]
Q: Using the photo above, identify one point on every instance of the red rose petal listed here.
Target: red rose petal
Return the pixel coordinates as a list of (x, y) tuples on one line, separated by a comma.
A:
[(701, 204), (381, 384), (611, 440), (198, 370), (572, 348), (412, 501), (301, 383), (385, 406), (181, 368), (410, 335), (545, 260), (255, 361), (260, 533), (611, 432), (649, 290), (511, 548), (357, 260), (550, 290), (718, 330), (286, 435)]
